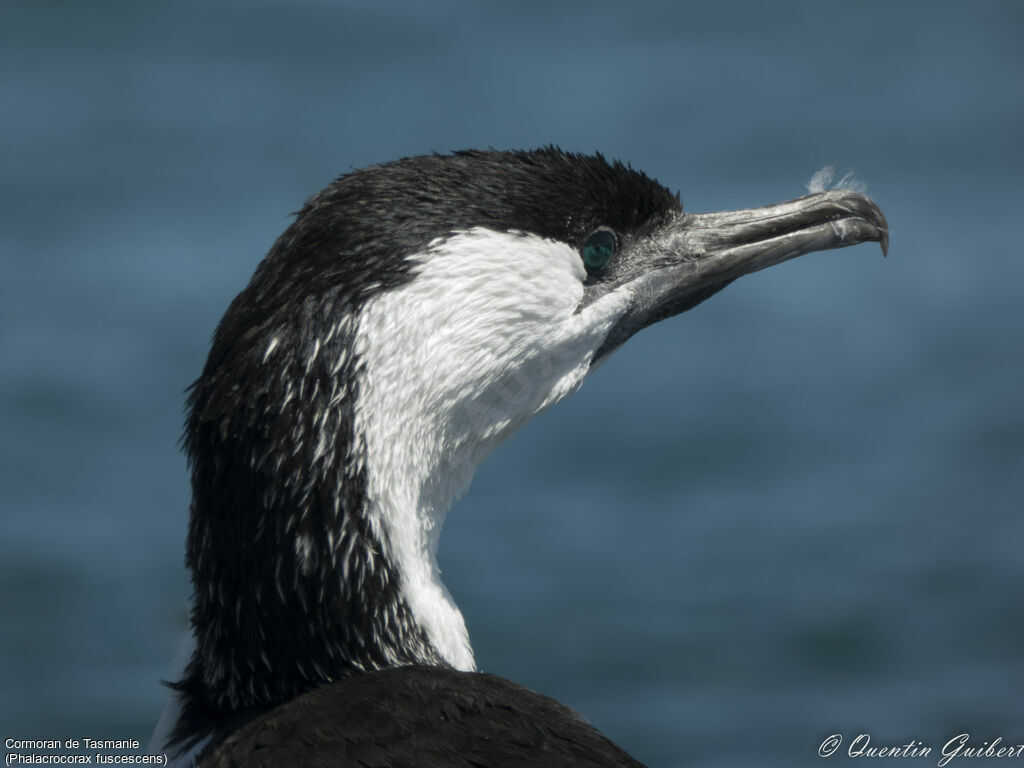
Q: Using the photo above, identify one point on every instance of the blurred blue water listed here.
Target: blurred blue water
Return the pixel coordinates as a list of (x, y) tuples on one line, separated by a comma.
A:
[(792, 512)]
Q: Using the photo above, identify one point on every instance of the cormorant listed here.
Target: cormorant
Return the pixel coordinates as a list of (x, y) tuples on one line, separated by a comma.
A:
[(412, 317)]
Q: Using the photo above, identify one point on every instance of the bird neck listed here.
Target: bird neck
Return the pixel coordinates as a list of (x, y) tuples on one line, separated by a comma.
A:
[(313, 557), (328, 439), (332, 591)]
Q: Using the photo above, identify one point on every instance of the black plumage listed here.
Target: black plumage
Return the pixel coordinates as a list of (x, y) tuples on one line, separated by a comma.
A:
[(420, 716)]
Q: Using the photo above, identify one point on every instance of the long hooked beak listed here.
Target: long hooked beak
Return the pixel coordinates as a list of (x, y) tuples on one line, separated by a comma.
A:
[(697, 254)]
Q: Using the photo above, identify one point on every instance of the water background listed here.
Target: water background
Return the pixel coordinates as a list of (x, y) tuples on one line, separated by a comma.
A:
[(797, 510)]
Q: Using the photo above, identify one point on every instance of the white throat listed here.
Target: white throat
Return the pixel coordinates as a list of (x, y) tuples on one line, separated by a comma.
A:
[(487, 334)]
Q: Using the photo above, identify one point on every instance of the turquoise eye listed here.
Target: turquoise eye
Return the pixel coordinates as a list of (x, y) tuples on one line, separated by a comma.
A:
[(598, 250)]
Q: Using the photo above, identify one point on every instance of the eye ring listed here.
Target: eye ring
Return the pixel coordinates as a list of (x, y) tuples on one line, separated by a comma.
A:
[(598, 249)]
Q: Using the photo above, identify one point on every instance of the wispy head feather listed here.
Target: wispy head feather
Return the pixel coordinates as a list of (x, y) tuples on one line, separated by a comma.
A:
[(822, 180)]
